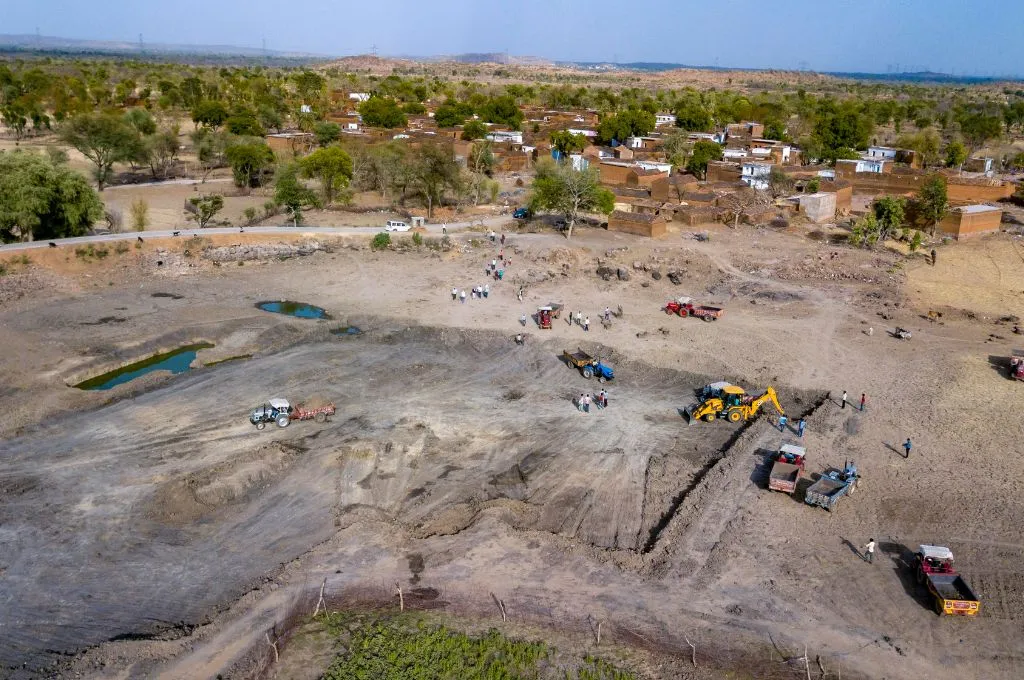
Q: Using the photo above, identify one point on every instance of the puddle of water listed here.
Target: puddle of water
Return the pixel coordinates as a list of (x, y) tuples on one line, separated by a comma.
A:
[(346, 330), (175, 361), (299, 310)]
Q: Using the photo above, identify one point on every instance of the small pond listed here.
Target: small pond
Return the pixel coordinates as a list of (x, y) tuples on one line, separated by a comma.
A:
[(175, 361), (346, 330), (299, 310)]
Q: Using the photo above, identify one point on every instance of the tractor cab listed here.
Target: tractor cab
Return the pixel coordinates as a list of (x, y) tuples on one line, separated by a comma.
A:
[(269, 412), (936, 559)]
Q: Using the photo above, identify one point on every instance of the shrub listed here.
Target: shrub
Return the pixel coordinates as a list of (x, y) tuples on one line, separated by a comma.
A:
[(381, 240), (121, 248), (140, 214), (417, 239), (251, 214)]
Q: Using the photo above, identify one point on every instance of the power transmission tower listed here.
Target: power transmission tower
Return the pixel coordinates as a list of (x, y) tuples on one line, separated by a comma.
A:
[(373, 49), (142, 46)]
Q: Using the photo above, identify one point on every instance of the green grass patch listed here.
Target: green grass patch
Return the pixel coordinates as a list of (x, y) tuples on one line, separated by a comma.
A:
[(409, 647)]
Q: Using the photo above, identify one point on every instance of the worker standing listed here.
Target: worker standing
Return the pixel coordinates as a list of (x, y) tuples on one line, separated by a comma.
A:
[(869, 551), (782, 423), (463, 296), (487, 289), (455, 294), (844, 398), (800, 427), (586, 403), (570, 317), (586, 324), (906, 447), (863, 400)]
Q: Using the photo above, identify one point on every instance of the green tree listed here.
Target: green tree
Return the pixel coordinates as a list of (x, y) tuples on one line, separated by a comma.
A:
[(331, 166), (840, 128), (291, 193), (202, 209), (210, 114), (382, 112), (704, 151), (865, 231), (102, 138), (567, 143), (1016, 162), (40, 200), (269, 117), (677, 148), (210, 147), (248, 161), (774, 129), (926, 144), (474, 129), (414, 109), (890, 212), (629, 123), (692, 117), (503, 111), (956, 154), (161, 151), (779, 183), (326, 133), (451, 114), (979, 128), (245, 124), (435, 172), (561, 188), (932, 200), (141, 120)]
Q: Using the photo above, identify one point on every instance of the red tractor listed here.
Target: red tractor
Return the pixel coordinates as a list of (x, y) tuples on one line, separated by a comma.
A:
[(685, 307)]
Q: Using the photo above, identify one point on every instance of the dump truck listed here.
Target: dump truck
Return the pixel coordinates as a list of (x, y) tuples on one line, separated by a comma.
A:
[(953, 597), (589, 366), (787, 468), (833, 486), (1017, 364), (733, 404)]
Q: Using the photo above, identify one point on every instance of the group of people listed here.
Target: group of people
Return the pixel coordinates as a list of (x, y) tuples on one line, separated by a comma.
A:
[(475, 292), (583, 402), (584, 321)]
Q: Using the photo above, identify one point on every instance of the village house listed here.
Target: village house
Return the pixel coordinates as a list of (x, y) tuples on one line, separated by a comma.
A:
[(848, 167), (661, 119), (971, 220), (744, 129), (978, 165), (639, 224), (673, 187), (291, 144), (511, 136), (755, 174)]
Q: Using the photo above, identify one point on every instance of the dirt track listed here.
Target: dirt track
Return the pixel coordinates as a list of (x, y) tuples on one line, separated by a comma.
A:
[(151, 515)]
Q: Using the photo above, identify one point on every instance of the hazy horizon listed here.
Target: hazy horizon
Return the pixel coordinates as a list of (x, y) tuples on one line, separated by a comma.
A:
[(875, 36)]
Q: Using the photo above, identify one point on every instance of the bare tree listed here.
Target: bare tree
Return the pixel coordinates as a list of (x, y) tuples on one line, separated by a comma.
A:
[(742, 201)]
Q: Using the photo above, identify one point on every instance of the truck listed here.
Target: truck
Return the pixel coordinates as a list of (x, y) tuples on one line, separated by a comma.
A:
[(685, 307), (952, 595), (833, 486), (1017, 364), (280, 411), (787, 468), (588, 365)]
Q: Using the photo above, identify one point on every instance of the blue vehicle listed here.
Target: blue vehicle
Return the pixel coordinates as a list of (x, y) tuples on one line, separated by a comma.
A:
[(833, 485), (522, 214), (588, 365)]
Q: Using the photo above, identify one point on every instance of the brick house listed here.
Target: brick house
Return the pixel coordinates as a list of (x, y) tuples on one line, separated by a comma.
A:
[(971, 220), (652, 226), (291, 144)]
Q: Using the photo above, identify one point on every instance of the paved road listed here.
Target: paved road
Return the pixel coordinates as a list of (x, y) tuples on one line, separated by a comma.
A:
[(187, 233)]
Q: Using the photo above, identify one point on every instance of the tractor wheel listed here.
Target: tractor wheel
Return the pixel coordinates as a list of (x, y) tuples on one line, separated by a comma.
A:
[(683, 313), (939, 609), (260, 426), (708, 318), (283, 420), (735, 416), (588, 373), (320, 417), (709, 418), (602, 380)]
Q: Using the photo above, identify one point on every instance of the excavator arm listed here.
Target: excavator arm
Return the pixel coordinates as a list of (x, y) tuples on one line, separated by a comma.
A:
[(769, 395)]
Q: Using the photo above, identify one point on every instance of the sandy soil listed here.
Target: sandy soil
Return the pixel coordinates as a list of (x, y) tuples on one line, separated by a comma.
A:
[(457, 462)]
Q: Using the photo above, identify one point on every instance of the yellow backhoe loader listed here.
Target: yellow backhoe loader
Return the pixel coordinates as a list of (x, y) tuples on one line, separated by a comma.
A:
[(734, 405)]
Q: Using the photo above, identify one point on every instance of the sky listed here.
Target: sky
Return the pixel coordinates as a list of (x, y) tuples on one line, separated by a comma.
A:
[(972, 37)]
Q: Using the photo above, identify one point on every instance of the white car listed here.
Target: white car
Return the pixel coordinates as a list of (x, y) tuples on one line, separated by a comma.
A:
[(394, 225)]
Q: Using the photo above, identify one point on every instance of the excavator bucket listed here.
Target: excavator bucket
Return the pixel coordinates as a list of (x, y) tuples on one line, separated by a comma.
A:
[(688, 414)]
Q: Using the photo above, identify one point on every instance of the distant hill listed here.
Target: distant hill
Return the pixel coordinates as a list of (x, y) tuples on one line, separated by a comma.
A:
[(46, 43)]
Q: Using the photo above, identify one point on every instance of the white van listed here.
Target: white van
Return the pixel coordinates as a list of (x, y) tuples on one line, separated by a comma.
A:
[(395, 225)]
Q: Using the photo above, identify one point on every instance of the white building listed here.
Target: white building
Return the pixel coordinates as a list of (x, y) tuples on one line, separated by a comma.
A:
[(589, 134), (883, 152), (755, 174), (513, 136), (867, 164), (653, 165), (734, 154), (579, 163), (664, 119), (359, 96)]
